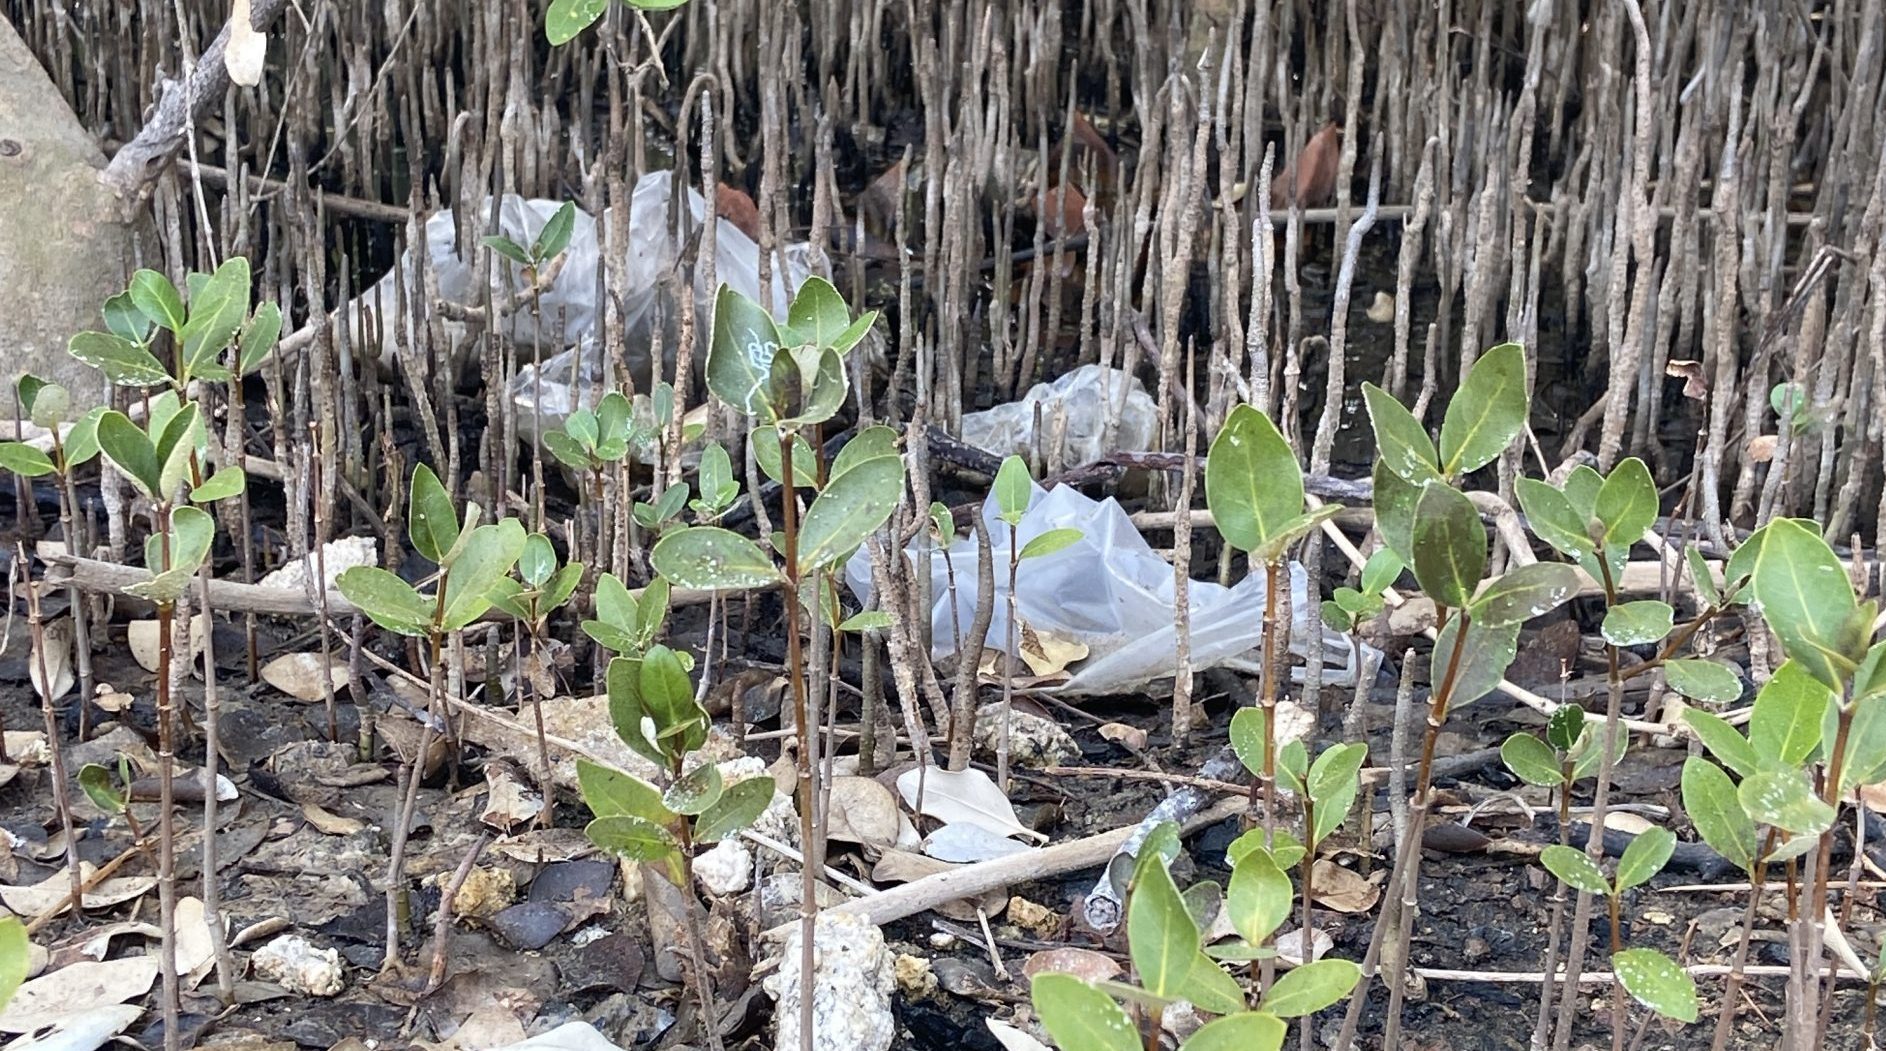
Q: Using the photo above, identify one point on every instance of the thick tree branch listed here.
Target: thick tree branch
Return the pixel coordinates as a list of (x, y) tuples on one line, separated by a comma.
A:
[(136, 166)]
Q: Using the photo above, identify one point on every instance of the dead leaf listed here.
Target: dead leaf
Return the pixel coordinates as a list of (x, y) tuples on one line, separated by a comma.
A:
[(1874, 797), (1338, 888), (81, 1031), (1084, 964), (1695, 384), (195, 948), (509, 802), (1761, 448), (968, 843), (77, 990), (1382, 309), (904, 866), (1131, 738), (862, 811), (1415, 615), (36, 899), (963, 910), (1290, 946), (110, 700), (142, 637), (1625, 821), (56, 655), (330, 823), (1011, 1038), (28, 747), (544, 845), (299, 675), (963, 796)]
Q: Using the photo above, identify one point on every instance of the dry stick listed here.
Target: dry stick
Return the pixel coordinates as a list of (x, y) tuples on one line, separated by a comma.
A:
[(212, 747), (442, 924), (969, 648), (1182, 566), (808, 788), (411, 771), (59, 781), (166, 793)]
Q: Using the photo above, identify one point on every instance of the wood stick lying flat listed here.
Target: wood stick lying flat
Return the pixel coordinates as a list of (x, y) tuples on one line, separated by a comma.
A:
[(229, 596), (982, 877)]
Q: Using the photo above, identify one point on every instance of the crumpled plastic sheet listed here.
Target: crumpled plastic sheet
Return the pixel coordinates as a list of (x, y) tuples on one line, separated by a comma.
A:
[(1112, 591), (1062, 423), (565, 326)]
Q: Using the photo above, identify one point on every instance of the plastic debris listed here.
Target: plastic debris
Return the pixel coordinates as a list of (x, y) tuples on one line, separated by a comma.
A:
[(1113, 592), (1063, 424)]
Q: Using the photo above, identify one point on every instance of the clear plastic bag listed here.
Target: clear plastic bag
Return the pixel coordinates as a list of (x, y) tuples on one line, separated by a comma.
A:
[(1113, 592), (1062, 423)]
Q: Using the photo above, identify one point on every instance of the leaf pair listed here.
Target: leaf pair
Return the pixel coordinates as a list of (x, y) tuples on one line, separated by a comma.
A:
[(623, 623), (1593, 514), (789, 375), (545, 587), (591, 438), (550, 242), (651, 703), (639, 821)]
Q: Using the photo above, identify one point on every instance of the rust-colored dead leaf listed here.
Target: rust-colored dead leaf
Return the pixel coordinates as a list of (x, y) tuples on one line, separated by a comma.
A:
[(862, 811), (1338, 888), (736, 206), (1761, 448), (1695, 384), (329, 823), (299, 675), (1131, 738), (1310, 177)]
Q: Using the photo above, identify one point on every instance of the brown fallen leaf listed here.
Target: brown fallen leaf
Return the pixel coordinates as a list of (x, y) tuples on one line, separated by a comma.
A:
[(299, 675), (1310, 177), (1084, 964), (142, 637), (1695, 384), (38, 898), (509, 802), (1131, 738), (56, 637), (1338, 888), (329, 823), (862, 811), (1761, 448)]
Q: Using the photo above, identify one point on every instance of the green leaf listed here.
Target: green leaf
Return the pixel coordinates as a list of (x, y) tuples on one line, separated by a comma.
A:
[(1402, 443), (823, 381), (1648, 852), (710, 558), (1247, 738), (852, 507), (14, 958), (538, 560), (568, 18), (122, 361), (508, 596), (715, 478), (1244, 1031), (431, 521), (1257, 900), (1525, 592), (668, 698), (1785, 725), (389, 601), (1049, 542), (853, 332), (1588, 752), (1627, 505), (1703, 680), (96, 781), (1332, 782), (1575, 869), (633, 838), (24, 460), (130, 451), (1700, 575), (624, 683), (175, 442), (1565, 726), (486, 555), (217, 311), (1395, 499), (1336, 616), (615, 605), (1487, 412), (568, 451), (555, 235), (694, 791), (615, 793), (1311, 987), (805, 468), (1783, 798), (1253, 483), (1490, 651), (222, 485), (867, 620), (740, 357), (1805, 597), (45, 403), (1013, 489), (1638, 623), (818, 314), (1710, 800), (1380, 571), (1080, 1017), (1531, 760), (1581, 488), (1865, 762), (739, 806), (868, 444), (1553, 519), (1210, 989), (1724, 742), (1655, 981), (124, 319), (157, 299), (1161, 936), (1450, 545), (258, 337)]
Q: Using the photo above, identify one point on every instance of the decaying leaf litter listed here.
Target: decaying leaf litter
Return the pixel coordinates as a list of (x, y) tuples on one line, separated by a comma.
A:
[(1019, 192)]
